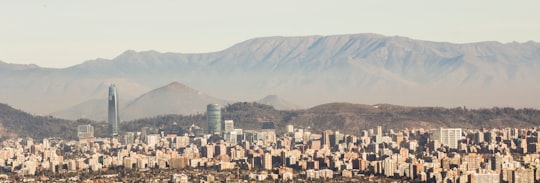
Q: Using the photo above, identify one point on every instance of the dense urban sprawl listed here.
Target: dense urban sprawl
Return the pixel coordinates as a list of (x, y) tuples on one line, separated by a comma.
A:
[(236, 155)]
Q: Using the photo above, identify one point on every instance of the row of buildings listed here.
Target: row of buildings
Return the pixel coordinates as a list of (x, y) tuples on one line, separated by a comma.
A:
[(436, 155)]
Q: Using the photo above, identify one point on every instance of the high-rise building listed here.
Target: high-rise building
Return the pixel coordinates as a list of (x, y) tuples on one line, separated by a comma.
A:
[(232, 138), (228, 126), (326, 138), (85, 131), (213, 116), (267, 161), (182, 141), (129, 138), (379, 135), (113, 111), (448, 136)]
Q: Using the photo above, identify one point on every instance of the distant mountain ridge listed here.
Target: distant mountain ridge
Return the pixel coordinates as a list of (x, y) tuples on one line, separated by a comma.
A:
[(310, 70)]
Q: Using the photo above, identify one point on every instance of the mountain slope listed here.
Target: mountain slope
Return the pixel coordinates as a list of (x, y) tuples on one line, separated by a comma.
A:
[(278, 103), (16, 123), (93, 109), (174, 98)]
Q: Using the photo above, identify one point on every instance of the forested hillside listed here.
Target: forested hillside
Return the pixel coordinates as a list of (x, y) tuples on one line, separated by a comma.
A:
[(352, 118), (344, 117)]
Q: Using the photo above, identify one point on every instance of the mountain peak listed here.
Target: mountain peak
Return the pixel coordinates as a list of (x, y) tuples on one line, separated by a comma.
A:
[(278, 102), (272, 97), (177, 86), (128, 54), (174, 98), (174, 90)]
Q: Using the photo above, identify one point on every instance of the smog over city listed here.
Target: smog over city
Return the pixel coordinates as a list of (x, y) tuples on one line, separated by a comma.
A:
[(269, 91)]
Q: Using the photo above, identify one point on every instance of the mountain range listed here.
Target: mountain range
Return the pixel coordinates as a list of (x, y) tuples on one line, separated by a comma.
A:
[(309, 70)]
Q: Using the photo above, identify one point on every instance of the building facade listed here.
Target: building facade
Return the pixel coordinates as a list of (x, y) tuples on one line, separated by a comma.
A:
[(448, 136), (85, 131), (228, 126)]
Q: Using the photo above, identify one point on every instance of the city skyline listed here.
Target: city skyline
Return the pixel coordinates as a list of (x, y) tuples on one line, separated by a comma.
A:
[(277, 91), (416, 154)]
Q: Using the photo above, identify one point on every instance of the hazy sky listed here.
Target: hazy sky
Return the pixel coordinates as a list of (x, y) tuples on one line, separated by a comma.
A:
[(62, 33)]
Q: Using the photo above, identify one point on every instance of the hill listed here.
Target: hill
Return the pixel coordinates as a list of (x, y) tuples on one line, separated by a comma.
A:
[(16, 123), (174, 98), (94, 109), (308, 70), (344, 117), (353, 118)]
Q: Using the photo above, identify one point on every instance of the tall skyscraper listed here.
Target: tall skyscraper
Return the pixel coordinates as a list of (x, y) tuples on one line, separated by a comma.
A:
[(213, 116), (113, 111)]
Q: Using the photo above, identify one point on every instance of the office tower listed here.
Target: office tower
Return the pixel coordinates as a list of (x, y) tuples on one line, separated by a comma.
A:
[(182, 141), (213, 116), (129, 138), (336, 138), (152, 140), (378, 136), (448, 136), (208, 150), (228, 126), (113, 111), (85, 131), (267, 161), (233, 138), (326, 138)]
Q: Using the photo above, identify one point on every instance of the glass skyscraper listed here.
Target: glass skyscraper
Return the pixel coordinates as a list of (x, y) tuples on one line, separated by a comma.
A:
[(213, 116), (113, 111)]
